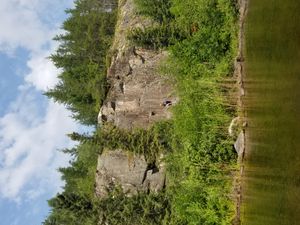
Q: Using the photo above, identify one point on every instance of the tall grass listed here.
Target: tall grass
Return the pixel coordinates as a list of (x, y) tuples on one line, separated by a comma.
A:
[(202, 158)]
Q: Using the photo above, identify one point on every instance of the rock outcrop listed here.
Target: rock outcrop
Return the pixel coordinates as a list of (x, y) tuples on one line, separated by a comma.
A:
[(135, 99), (137, 89), (131, 172)]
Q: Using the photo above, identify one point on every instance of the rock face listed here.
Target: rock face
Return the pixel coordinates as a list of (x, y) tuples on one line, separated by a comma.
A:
[(137, 94), (137, 89), (131, 172), (135, 99)]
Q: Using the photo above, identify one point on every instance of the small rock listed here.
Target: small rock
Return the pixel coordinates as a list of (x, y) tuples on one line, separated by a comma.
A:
[(239, 145)]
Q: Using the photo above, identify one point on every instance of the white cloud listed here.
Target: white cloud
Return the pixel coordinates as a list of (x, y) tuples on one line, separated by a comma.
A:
[(31, 25), (33, 129), (30, 147), (43, 74), (28, 24), (20, 27)]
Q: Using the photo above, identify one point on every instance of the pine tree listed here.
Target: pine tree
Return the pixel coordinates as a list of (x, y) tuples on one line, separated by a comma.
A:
[(81, 56)]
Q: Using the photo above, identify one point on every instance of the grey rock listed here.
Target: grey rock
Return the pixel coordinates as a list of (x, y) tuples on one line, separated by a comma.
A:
[(137, 87), (131, 172), (137, 91), (239, 144)]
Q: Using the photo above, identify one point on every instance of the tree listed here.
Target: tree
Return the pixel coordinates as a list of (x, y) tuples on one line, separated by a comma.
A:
[(81, 56), (70, 208)]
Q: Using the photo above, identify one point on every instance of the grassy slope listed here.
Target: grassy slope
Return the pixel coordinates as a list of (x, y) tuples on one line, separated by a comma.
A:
[(200, 165)]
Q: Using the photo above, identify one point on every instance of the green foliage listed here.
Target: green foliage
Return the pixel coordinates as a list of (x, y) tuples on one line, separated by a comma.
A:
[(205, 13), (201, 37), (201, 32), (212, 27), (79, 177), (199, 166), (81, 55), (117, 208), (156, 37), (164, 33), (148, 142), (159, 10), (71, 208), (140, 209), (78, 205), (82, 138)]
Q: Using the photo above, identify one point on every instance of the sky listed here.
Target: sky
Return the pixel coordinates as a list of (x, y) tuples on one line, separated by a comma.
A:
[(32, 128)]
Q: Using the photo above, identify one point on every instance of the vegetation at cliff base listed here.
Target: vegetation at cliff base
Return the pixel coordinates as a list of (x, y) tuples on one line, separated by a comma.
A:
[(201, 38), (200, 165)]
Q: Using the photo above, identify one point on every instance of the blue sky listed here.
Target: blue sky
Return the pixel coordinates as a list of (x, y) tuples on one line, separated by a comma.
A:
[(32, 128)]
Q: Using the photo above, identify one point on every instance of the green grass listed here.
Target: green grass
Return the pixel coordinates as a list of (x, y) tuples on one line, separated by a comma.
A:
[(199, 167), (202, 158)]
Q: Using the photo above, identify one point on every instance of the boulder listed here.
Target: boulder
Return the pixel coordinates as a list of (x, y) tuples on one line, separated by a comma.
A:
[(239, 144), (131, 172)]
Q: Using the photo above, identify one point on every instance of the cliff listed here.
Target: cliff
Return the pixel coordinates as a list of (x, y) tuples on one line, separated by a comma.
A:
[(137, 89), (135, 99)]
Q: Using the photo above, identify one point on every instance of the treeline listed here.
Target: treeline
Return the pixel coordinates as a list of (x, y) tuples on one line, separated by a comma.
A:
[(77, 204), (201, 37), (141, 209), (81, 56)]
